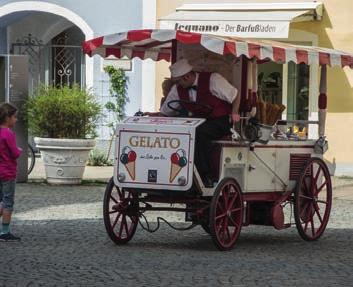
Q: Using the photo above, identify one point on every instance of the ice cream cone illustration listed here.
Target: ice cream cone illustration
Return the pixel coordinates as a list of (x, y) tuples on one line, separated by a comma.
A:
[(174, 170), (128, 160), (130, 167), (177, 163)]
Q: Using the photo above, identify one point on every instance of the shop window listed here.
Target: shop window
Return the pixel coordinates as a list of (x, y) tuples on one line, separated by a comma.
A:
[(298, 92), (270, 86), (270, 77)]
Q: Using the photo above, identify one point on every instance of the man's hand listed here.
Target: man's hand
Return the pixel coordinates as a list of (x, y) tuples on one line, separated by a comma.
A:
[(235, 110), (235, 118)]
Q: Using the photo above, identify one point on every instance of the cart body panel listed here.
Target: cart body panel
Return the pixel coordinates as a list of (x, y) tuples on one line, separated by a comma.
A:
[(155, 152), (282, 157)]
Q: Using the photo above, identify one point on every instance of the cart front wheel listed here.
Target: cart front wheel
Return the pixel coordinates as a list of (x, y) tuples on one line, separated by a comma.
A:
[(226, 214), (313, 200), (120, 213)]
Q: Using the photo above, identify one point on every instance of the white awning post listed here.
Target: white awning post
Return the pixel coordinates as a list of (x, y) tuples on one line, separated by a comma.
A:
[(254, 88), (322, 101), (249, 86)]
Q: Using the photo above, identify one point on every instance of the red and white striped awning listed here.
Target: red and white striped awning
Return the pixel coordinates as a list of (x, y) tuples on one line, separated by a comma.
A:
[(157, 45)]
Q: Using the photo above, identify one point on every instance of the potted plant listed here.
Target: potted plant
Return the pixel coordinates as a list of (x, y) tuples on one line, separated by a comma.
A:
[(64, 120)]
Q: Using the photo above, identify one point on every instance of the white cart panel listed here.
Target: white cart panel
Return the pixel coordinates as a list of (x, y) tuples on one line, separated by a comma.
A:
[(156, 153)]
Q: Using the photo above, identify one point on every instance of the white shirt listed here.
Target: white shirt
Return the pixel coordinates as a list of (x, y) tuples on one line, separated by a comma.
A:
[(219, 87)]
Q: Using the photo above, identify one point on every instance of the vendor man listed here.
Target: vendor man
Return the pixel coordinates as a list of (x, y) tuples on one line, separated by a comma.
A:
[(209, 89)]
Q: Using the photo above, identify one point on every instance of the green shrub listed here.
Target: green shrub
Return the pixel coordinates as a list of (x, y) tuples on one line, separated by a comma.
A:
[(63, 112), (118, 91), (98, 158)]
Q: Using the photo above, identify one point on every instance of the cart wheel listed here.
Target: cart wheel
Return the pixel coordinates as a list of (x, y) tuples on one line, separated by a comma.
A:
[(313, 200), (120, 213), (226, 214)]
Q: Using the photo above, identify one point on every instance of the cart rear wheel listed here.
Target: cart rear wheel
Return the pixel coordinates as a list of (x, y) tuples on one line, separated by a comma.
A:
[(313, 200), (226, 214), (120, 213)]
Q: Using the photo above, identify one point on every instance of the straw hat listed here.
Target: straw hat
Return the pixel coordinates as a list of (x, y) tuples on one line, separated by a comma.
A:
[(180, 68)]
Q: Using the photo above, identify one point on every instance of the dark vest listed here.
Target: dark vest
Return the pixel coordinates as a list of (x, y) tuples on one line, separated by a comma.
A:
[(204, 96)]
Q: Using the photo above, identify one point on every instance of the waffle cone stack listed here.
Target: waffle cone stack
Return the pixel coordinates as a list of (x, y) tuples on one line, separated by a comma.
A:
[(268, 113)]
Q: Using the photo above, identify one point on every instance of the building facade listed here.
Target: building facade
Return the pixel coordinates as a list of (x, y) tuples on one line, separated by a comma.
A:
[(51, 32), (328, 24)]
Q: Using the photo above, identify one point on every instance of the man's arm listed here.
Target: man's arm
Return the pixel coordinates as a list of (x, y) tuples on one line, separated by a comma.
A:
[(235, 109), (223, 90)]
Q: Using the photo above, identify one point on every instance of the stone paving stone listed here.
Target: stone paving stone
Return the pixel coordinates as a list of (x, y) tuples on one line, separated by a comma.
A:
[(64, 243)]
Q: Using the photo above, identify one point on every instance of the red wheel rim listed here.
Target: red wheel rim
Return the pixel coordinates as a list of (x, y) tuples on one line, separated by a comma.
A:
[(226, 215), (313, 200), (120, 214)]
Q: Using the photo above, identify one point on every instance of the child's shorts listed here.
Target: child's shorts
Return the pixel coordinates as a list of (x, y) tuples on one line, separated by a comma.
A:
[(7, 194)]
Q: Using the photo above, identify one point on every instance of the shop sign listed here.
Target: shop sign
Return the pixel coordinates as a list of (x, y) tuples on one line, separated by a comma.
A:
[(246, 29)]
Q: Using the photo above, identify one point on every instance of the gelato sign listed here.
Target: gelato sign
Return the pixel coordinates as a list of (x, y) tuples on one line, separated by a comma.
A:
[(155, 153), (247, 29), (154, 142), (158, 158)]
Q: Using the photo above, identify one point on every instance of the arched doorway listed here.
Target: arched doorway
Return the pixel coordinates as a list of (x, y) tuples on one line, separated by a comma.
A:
[(58, 61), (15, 12)]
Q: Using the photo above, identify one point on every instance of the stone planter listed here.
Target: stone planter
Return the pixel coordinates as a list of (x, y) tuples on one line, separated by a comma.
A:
[(64, 159)]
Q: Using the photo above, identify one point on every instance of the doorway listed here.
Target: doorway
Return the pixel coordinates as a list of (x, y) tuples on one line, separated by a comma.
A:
[(59, 62)]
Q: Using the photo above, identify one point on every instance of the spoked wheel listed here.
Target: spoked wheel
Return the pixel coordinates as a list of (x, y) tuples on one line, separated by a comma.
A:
[(120, 213), (226, 214), (313, 200)]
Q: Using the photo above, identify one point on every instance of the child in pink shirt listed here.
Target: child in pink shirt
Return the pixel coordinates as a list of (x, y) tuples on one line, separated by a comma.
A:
[(9, 153)]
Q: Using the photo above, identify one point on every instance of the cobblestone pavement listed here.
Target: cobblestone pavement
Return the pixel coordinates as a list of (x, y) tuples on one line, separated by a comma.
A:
[(64, 244)]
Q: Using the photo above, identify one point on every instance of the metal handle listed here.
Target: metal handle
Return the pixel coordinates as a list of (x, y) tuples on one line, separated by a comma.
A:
[(235, 134), (285, 122), (251, 167)]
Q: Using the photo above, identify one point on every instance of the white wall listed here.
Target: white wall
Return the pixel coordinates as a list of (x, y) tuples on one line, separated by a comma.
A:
[(41, 25), (94, 19), (148, 91)]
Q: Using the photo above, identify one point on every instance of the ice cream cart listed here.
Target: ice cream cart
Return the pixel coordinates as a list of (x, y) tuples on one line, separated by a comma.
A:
[(262, 175)]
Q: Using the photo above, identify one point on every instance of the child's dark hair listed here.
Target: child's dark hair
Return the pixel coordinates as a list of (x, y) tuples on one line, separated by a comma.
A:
[(6, 110)]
